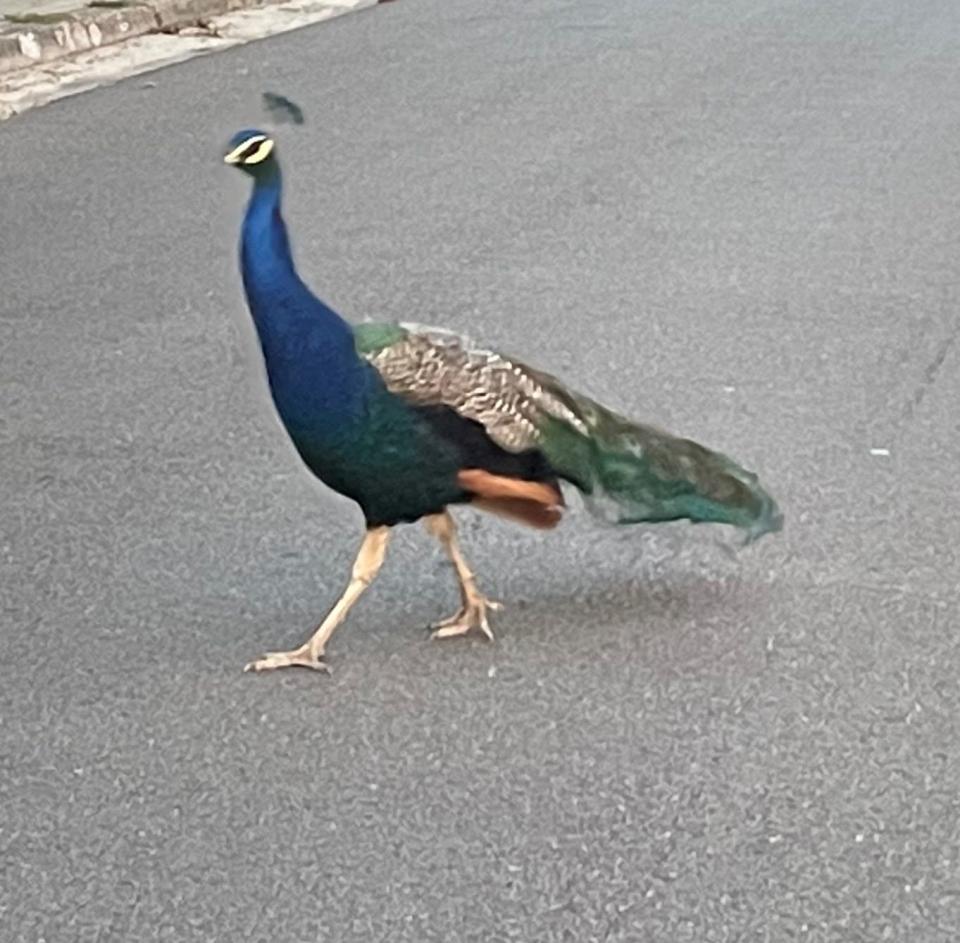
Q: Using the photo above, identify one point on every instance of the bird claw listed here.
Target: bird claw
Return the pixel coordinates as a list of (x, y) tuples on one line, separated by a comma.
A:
[(473, 615), (299, 658)]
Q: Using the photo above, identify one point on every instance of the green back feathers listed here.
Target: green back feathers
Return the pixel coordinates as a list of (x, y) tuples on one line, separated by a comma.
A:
[(372, 338)]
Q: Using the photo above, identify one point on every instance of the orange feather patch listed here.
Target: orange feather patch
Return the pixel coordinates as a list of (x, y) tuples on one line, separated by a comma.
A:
[(531, 502)]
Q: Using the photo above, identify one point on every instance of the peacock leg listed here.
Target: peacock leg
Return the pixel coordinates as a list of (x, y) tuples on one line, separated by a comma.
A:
[(365, 568), (474, 605)]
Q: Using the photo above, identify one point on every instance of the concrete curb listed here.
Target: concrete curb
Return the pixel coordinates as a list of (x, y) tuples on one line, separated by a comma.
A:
[(27, 45), (172, 31)]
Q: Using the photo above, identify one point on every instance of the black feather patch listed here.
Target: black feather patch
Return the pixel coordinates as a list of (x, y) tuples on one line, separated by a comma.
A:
[(281, 109), (478, 450)]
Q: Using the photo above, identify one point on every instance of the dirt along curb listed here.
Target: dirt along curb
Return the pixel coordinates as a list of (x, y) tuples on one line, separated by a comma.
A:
[(46, 56), (35, 39)]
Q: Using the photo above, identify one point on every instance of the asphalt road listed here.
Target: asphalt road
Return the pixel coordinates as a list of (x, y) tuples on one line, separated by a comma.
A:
[(739, 220)]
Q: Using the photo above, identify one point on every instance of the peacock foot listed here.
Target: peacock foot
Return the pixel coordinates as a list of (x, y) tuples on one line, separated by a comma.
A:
[(301, 657), (473, 615)]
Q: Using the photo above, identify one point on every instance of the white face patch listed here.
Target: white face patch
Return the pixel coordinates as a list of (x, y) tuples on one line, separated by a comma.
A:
[(234, 157)]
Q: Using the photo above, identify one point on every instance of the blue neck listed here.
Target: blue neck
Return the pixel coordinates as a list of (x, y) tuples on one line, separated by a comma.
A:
[(316, 376)]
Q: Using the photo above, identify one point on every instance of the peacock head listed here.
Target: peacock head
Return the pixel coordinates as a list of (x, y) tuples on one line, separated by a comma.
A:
[(252, 152)]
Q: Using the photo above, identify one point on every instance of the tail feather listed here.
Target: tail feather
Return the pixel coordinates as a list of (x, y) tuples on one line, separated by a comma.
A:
[(632, 473)]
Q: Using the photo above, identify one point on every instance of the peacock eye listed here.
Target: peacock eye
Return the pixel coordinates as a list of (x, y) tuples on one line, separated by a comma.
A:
[(252, 147), (258, 150)]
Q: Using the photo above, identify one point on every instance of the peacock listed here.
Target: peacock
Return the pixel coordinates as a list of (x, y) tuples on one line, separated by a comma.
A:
[(408, 421)]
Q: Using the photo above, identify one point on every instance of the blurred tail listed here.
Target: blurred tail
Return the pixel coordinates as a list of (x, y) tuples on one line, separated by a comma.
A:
[(630, 473)]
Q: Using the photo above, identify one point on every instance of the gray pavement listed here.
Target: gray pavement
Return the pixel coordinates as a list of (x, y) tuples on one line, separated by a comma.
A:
[(738, 220)]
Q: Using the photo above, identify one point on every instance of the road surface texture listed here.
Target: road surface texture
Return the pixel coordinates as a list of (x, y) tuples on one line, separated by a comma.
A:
[(739, 220)]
